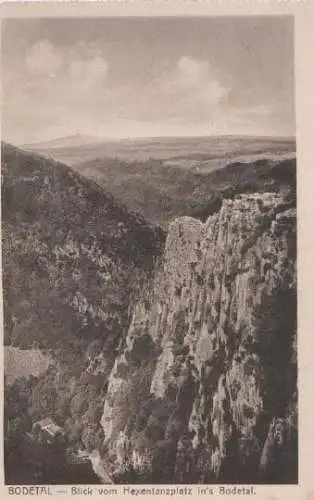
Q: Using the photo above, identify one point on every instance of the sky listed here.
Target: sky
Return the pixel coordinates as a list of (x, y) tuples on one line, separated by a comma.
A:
[(147, 77)]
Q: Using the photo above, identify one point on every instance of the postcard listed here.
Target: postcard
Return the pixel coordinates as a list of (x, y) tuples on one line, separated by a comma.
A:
[(157, 249)]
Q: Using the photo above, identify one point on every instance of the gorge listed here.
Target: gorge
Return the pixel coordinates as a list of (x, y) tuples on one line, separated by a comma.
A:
[(175, 351)]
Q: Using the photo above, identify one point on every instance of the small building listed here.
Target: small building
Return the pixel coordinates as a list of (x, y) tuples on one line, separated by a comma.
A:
[(47, 432), (77, 457)]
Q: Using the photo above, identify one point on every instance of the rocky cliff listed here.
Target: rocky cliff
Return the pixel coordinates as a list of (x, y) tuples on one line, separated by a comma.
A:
[(204, 386)]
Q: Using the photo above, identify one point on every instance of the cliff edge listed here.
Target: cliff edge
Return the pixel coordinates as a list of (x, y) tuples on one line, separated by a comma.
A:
[(204, 386)]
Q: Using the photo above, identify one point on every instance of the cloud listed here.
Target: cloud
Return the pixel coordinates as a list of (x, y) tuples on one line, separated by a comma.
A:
[(197, 80), (88, 73), (75, 89), (54, 88), (64, 77), (190, 89), (83, 66), (193, 70), (124, 78), (185, 92), (43, 59)]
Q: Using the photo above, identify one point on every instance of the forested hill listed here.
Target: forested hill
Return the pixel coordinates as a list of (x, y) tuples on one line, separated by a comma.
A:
[(72, 255), (161, 191)]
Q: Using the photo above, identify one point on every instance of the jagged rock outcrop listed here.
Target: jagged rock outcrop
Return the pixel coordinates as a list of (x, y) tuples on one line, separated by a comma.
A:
[(208, 369)]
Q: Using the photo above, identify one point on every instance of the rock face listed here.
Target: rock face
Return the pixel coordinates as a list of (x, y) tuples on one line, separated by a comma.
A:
[(204, 385)]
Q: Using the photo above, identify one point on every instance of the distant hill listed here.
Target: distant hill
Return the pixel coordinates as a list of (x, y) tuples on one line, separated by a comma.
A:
[(70, 141), (162, 192)]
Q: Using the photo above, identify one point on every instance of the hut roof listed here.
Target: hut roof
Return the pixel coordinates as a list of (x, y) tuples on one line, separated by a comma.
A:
[(49, 426)]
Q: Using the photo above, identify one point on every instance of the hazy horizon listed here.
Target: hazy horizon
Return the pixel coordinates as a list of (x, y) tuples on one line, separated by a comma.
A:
[(163, 137), (146, 78)]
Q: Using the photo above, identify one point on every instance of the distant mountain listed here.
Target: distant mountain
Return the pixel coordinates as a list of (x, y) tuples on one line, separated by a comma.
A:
[(72, 141)]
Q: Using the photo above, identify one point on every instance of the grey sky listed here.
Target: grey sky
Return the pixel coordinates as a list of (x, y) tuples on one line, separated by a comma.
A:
[(147, 77)]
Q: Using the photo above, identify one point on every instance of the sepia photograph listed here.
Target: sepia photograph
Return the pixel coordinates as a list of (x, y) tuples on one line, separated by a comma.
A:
[(149, 250)]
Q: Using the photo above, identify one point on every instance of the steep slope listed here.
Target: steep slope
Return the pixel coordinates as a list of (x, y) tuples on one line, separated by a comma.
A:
[(205, 387), (68, 247), (73, 261)]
